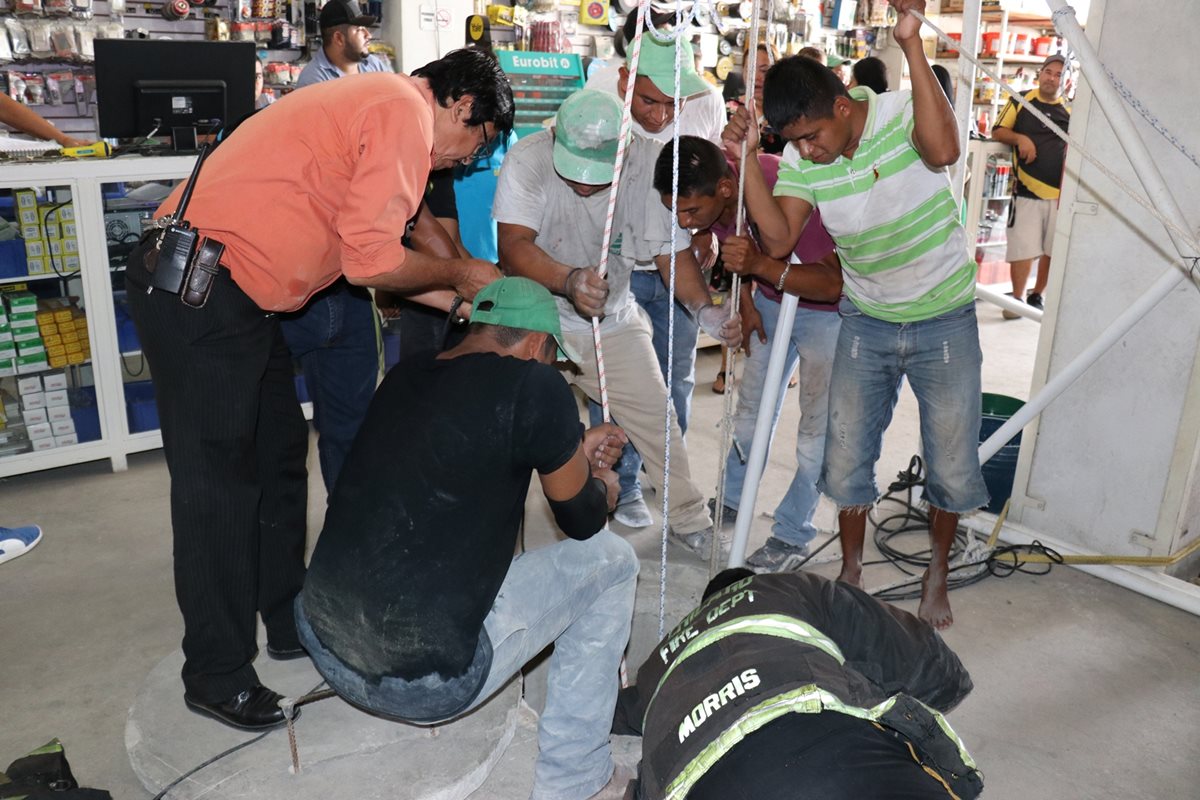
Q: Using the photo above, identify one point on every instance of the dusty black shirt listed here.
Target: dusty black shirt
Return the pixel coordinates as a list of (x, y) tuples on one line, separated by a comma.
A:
[(423, 522)]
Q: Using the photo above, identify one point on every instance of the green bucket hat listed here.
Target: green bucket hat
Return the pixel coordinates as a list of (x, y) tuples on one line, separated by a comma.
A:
[(521, 303), (586, 130), (656, 61)]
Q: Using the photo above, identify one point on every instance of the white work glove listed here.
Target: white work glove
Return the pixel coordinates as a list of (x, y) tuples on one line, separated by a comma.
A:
[(720, 324)]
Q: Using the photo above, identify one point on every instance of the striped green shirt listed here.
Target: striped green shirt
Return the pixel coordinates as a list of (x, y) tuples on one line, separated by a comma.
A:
[(893, 218)]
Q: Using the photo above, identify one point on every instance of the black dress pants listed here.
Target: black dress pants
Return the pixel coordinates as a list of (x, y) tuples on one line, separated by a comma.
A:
[(236, 445)]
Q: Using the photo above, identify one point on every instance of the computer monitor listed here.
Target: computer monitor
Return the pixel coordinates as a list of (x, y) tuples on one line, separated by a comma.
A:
[(178, 89)]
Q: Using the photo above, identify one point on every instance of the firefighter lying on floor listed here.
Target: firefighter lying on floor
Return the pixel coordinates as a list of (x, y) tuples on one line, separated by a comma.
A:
[(793, 686)]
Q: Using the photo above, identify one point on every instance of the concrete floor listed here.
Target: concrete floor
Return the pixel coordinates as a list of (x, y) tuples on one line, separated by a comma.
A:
[(1083, 689)]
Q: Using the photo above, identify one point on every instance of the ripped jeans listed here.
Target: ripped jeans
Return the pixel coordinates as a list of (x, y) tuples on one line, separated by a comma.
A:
[(942, 360)]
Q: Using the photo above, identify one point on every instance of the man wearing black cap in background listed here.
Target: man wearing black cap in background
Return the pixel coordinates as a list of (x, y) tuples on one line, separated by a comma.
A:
[(345, 34), (1038, 156)]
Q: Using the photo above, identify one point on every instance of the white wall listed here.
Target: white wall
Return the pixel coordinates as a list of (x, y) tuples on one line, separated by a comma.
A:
[(1112, 458), (424, 30)]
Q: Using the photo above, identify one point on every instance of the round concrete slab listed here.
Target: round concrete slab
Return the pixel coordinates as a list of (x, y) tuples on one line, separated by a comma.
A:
[(343, 752)]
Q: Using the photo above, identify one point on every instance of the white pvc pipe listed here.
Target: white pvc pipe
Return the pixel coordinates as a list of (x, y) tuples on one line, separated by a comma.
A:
[(1008, 302), (1114, 109), (757, 459), (1160, 195), (964, 92), (1067, 375)]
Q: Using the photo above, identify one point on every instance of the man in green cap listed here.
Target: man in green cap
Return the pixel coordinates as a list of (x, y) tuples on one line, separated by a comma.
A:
[(551, 205), (414, 607)]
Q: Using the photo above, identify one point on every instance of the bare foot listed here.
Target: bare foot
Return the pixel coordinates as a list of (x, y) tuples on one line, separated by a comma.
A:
[(852, 577), (935, 605)]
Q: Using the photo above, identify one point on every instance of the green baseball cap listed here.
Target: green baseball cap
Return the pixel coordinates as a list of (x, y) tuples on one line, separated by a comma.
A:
[(521, 303), (832, 61), (586, 130), (656, 61)]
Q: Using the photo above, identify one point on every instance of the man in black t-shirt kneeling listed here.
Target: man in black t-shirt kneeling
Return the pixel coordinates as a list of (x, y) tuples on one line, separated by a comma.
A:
[(414, 607)]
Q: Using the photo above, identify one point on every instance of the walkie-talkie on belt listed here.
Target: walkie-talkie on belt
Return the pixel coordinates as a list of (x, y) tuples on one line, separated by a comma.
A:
[(177, 242)]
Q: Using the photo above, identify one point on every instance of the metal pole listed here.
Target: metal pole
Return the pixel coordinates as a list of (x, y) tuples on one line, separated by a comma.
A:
[(762, 430), (964, 93), (1147, 172), (1007, 302)]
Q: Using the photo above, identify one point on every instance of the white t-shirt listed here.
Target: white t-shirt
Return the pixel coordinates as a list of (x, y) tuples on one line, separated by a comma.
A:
[(702, 115), (570, 228)]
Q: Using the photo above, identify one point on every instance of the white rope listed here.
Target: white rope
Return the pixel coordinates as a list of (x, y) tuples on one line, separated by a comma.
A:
[(750, 75), (1018, 97), (666, 482)]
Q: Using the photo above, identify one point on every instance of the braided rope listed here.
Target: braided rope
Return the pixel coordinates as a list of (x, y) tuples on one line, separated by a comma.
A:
[(750, 74), (1137, 105), (1017, 97), (666, 482)]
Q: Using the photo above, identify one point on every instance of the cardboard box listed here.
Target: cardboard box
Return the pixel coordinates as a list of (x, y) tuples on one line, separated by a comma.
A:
[(21, 302), (29, 216), (33, 416), (26, 198), (57, 413), (67, 212), (62, 427), (58, 397), (38, 430), (73, 347), (37, 266), (8, 350), (8, 367), (50, 335), (70, 263), (22, 321), (58, 361), (26, 336), (57, 350), (51, 232), (46, 443), (53, 381), (31, 232), (29, 385), (68, 336), (35, 348), (29, 364), (33, 400), (75, 358), (70, 245), (66, 439)]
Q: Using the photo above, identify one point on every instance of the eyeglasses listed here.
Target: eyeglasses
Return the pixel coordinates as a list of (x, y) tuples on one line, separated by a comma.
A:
[(485, 146)]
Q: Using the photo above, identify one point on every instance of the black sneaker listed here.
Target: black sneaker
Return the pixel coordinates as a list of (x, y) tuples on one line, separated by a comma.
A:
[(728, 516), (1034, 299)]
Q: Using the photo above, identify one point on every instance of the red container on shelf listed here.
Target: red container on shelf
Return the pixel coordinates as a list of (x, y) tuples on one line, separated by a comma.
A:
[(1021, 46), (957, 37), (991, 43), (1042, 45)]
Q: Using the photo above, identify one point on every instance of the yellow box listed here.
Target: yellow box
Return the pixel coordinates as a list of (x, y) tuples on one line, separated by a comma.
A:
[(76, 358), (29, 216), (56, 350), (52, 231), (59, 361), (31, 231), (64, 315), (80, 323), (36, 266), (73, 347), (66, 213), (45, 317), (36, 248), (70, 263), (48, 329), (26, 198), (69, 336), (51, 339), (70, 245)]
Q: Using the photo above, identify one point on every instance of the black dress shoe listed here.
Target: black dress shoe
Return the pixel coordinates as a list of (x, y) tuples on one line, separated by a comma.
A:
[(254, 709), (286, 653)]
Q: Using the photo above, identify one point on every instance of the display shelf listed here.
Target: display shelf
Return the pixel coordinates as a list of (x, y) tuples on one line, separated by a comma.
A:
[(95, 292), (28, 278)]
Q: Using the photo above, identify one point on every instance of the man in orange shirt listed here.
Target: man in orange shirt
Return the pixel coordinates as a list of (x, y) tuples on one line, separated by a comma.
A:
[(317, 186)]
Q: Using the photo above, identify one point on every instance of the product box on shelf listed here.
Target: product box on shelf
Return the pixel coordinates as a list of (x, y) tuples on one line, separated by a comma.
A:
[(58, 397), (37, 266), (8, 367), (53, 381), (25, 198), (30, 364), (62, 427), (31, 231), (66, 439), (33, 416), (45, 443), (30, 384), (57, 413), (35, 248), (29, 216), (38, 430), (31, 348), (20, 302), (31, 400)]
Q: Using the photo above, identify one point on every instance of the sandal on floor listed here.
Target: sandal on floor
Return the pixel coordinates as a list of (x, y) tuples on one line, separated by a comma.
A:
[(718, 386)]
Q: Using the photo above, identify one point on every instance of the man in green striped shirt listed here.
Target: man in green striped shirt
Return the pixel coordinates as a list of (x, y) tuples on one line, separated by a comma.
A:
[(875, 167)]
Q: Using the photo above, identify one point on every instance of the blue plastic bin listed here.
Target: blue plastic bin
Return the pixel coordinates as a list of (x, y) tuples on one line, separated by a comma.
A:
[(85, 413), (140, 407), (12, 259)]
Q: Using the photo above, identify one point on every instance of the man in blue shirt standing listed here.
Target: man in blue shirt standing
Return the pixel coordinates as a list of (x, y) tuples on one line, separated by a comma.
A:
[(333, 337), (345, 34)]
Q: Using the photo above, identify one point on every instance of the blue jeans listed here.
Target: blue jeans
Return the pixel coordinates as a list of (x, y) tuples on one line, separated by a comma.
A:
[(651, 294), (576, 595), (813, 341), (333, 338), (941, 359)]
